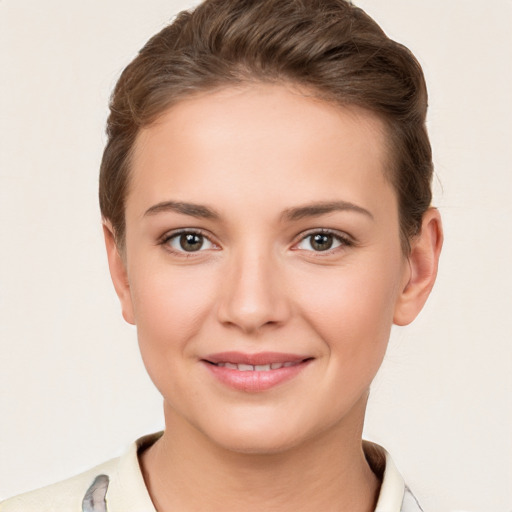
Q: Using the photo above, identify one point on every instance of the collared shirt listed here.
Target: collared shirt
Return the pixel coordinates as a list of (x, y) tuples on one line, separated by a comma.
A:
[(118, 486)]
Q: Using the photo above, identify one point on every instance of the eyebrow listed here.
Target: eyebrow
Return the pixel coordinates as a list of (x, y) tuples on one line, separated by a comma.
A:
[(290, 214), (322, 208), (194, 210)]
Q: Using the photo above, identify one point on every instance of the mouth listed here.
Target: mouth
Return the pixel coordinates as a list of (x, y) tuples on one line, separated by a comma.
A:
[(242, 367), (255, 372)]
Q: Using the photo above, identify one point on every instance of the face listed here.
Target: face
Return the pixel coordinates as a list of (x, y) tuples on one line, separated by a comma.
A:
[(263, 264)]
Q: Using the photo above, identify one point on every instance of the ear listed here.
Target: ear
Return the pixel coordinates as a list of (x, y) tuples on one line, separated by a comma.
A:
[(423, 262), (118, 273)]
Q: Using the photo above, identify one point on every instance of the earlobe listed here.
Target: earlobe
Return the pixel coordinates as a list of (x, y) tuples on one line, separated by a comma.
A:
[(118, 273), (423, 264)]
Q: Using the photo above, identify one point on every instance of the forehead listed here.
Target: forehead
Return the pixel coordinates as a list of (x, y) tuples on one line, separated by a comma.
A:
[(258, 140)]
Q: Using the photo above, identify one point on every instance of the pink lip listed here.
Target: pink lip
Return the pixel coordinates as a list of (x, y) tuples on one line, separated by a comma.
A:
[(254, 381)]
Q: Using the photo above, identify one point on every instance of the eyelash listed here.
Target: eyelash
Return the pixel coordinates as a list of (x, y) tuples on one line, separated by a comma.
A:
[(164, 241), (343, 240)]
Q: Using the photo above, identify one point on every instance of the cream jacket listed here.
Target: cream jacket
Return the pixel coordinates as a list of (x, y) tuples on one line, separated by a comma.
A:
[(118, 486)]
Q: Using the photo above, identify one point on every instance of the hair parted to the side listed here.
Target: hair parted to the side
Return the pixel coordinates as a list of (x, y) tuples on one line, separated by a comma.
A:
[(329, 47)]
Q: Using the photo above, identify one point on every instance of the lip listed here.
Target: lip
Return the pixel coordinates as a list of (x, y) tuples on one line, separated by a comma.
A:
[(255, 380)]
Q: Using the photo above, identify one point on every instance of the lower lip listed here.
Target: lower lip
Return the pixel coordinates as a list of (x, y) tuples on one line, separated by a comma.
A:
[(255, 381)]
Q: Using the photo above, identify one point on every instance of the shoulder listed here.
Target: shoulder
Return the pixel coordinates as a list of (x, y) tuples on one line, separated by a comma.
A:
[(118, 482), (66, 495)]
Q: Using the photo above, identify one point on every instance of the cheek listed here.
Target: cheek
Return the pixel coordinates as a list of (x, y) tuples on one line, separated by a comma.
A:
[(170, 304), (351, 309), (170, 307)]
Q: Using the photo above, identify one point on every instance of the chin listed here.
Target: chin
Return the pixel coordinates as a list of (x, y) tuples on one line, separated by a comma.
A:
[(261, 443), (270, 435)]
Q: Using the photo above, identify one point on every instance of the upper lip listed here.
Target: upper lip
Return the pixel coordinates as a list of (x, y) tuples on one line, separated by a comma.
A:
[(259, 358)]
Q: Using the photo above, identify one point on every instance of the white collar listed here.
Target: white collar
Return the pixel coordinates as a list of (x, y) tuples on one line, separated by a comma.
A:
[(394, 495)]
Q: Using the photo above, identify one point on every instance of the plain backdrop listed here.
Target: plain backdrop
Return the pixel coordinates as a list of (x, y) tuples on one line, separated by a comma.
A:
[(73, 391)]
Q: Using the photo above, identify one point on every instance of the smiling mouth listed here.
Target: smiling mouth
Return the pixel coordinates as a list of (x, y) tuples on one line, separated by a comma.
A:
[(242, 367), (255, 372)]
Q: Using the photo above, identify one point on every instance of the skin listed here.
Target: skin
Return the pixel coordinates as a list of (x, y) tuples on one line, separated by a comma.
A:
[(253, 155)]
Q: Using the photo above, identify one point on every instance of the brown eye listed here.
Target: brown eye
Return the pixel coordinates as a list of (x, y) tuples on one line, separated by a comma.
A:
[(189, 242), (322, 241)]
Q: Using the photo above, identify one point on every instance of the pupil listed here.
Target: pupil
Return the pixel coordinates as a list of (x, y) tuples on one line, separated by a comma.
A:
[(191, 242), (322, 242)]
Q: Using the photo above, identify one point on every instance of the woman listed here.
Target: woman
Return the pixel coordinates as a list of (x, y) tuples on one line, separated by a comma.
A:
[(265, 191)]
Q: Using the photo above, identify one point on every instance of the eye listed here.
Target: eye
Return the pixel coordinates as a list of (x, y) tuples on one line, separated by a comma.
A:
[(322, 241), (188, 241)]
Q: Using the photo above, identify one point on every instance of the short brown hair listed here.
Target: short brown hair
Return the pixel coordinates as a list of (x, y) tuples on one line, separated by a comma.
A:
[(330, 47)]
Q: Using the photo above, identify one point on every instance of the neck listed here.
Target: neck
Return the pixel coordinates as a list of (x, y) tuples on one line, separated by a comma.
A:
[(185, 471)]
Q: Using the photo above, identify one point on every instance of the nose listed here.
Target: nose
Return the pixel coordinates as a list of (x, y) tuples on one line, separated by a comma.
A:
[(253, 293)]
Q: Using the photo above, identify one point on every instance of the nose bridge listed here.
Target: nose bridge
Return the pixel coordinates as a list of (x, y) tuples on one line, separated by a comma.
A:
[(253, 293)]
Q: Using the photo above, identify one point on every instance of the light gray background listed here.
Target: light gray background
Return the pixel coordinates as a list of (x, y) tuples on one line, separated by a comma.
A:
[(73, 391)]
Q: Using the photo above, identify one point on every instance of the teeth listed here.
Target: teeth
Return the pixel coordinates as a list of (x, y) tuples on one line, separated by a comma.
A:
[(262, 367), (258, 367)]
